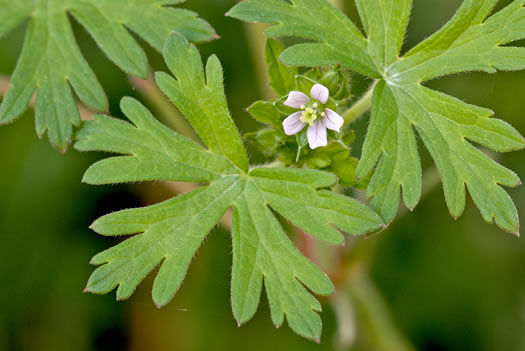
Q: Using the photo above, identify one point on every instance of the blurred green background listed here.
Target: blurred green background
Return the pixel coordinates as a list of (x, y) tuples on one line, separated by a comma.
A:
[(435, 283)]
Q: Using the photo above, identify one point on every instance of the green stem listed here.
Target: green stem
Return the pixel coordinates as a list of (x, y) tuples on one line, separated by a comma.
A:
[(346, 334), (374, 316), (360, 107)]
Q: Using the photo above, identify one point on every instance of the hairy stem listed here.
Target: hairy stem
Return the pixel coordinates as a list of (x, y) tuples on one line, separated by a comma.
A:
[(372, 313), (360, 107)]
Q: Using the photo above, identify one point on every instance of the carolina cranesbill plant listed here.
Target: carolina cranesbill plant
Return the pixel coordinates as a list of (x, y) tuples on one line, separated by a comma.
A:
[(172, 231), (306, 134), (471, 40)]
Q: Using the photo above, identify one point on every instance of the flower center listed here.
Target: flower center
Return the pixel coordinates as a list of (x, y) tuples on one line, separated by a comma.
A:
[(312, 111)]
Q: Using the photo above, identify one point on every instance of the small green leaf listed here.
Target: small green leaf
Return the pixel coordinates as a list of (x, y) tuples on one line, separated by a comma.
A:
[(169, 234), (52, 63), (282, 77), (266, 112)]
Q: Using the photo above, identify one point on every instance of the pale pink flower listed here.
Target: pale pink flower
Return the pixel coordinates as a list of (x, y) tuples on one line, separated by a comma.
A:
[(314, 113)]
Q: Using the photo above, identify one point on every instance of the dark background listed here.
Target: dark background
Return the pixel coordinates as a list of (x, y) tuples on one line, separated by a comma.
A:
[(450, 285)]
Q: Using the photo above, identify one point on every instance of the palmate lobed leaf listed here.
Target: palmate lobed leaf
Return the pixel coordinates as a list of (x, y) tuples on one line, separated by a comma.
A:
[(52, 63), (169, 233), (472, 40)]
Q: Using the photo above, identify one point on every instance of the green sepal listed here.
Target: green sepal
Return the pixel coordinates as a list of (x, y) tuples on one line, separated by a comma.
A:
[(267, 141), (266, 112)]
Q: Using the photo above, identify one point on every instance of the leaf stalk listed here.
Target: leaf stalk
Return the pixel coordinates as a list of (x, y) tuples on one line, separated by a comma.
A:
[(361, 107)]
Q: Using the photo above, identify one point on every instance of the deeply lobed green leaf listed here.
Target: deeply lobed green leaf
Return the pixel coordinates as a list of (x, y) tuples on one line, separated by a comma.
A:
[(169, 234), (200, 97), (472, 40), (151, 151), (338, 39), (52, 63)]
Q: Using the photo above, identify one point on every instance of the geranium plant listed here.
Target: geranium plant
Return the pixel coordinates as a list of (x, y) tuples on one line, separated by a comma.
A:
[(306, 138)]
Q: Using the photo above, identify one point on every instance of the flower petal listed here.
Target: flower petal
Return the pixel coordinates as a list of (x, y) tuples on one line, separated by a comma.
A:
[(296, 99), (293, 124), (332, 120), (320, 92), (317, 135)]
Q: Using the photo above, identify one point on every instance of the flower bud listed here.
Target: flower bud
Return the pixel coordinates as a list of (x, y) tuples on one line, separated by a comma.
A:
[(319, 161), (331, 80)]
